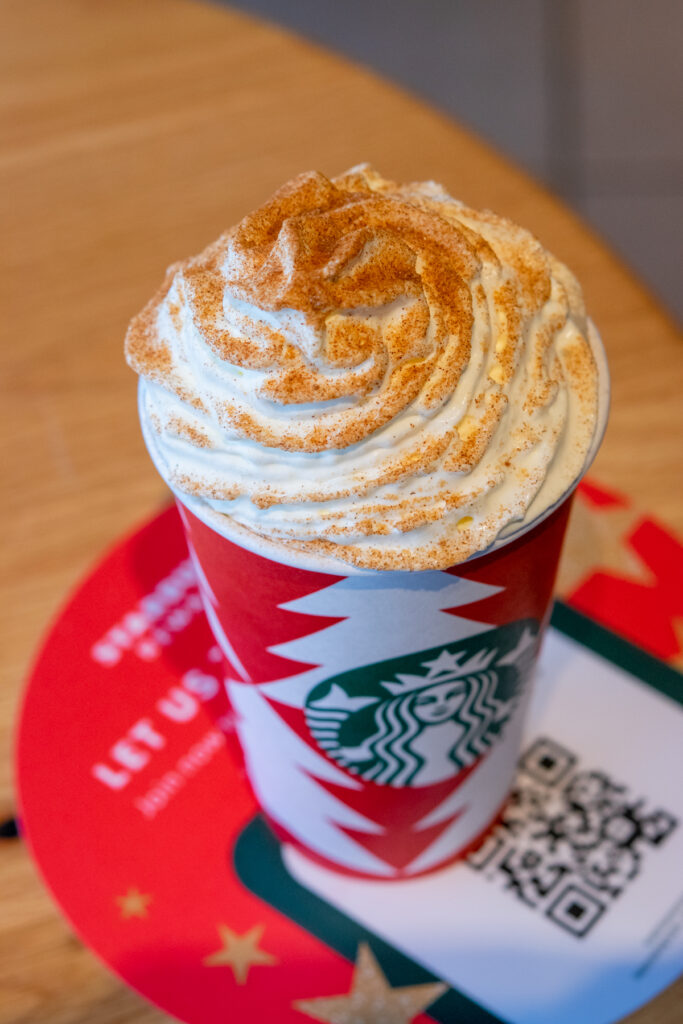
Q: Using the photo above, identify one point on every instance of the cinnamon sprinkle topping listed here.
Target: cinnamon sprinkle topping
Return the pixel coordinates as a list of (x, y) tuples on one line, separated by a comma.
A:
[(368, 370)]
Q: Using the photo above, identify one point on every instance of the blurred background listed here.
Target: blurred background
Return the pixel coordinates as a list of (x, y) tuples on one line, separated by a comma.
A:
[(584, 94)]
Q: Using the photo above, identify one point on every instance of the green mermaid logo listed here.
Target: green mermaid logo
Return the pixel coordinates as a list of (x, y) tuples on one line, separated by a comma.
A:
[(423, 726)]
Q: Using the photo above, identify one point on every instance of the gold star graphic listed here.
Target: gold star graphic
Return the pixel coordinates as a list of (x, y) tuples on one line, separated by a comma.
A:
[(239, 952), (133, 904), (597, 541), (372, 1000)]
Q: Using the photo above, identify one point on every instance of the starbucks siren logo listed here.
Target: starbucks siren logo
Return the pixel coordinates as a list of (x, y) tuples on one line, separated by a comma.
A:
[(420, 719)]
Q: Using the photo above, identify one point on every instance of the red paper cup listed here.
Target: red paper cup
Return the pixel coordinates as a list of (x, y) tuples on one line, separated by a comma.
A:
[(380, 713)]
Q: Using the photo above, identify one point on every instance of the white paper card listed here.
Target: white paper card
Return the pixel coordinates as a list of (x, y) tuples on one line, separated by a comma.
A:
[(572, 911)]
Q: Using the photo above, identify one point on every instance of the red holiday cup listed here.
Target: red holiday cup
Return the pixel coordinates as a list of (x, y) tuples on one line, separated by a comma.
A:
[(380, 713)]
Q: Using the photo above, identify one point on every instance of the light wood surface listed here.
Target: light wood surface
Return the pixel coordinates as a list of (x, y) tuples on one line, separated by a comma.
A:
[(133, 133)]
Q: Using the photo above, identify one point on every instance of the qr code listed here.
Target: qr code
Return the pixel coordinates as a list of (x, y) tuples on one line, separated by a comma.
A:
[(571, 840)]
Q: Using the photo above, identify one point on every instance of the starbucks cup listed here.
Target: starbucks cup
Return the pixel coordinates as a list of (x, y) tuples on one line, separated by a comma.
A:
[(348, 337), (380, 713)]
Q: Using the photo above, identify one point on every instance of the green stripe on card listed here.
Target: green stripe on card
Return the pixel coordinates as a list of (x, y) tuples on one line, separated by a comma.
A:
[(621, 652)]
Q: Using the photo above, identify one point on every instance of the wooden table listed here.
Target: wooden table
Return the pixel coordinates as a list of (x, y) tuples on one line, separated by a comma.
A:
[(133, 132)]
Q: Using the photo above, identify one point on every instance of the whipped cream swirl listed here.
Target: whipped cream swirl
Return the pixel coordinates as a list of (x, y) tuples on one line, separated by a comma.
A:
[(371, 372)]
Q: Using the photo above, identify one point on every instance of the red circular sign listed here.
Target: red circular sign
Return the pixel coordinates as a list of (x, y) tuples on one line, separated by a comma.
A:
[(136, 806)]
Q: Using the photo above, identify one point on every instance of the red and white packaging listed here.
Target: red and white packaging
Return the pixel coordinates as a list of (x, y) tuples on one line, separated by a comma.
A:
[(380, 713)]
